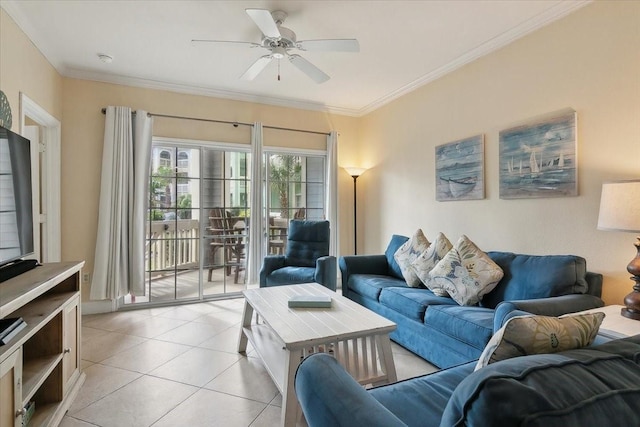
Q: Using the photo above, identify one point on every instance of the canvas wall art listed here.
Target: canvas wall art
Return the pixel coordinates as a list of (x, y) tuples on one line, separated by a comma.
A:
[(539, 159), (460, 169)]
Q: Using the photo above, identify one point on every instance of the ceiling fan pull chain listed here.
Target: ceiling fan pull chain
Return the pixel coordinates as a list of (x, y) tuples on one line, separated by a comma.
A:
[(278, 70)]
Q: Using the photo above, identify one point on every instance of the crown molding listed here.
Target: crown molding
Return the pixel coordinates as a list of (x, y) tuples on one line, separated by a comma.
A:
[(502, 40), (204, 91), (10, 6)]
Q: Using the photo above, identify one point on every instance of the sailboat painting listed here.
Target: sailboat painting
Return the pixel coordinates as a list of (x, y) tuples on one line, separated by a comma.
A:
[(460, 169), (539, 158)]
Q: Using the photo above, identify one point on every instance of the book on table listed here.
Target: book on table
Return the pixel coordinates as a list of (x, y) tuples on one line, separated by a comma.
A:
[(310, 301), (9, 328)]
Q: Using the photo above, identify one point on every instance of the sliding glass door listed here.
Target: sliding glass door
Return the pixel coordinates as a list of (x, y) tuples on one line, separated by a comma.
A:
[(198, 207), (225, 209), (296, 190), (197, 239)]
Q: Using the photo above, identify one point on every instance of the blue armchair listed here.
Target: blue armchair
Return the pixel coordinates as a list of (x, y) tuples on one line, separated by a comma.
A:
[(306, 259)]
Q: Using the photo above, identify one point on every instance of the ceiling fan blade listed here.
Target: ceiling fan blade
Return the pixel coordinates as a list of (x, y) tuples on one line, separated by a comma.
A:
[(309, 69), (265, 22), (251, 44), (330, 45), (256, 68)]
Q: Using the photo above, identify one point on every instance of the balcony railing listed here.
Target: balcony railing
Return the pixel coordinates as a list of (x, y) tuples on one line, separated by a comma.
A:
[(173, 244)]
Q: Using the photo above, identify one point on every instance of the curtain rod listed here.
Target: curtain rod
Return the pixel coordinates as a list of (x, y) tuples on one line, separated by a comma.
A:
[(236, 124)]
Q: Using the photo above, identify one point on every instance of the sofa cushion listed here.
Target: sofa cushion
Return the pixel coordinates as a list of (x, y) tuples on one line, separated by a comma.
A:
[(396, 241), (411, 302), (525, 335), (407, 253), (536, 276), (420, 401), (590, 386), (429, 258), (471, 325), (466, 273), (370, 285), (288, 275)]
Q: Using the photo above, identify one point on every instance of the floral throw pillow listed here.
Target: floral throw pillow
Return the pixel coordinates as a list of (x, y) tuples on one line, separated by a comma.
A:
[(466, 273), (407, 253), (451, 276), (525, 335), (429, 259)]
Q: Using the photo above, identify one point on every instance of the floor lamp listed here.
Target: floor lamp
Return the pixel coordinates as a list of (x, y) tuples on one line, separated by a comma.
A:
[(355, 173), (620, 211)]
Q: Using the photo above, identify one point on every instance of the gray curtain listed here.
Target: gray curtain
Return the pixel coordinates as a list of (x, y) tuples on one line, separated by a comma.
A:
[(257, 219), (332, 190), (120, 241)]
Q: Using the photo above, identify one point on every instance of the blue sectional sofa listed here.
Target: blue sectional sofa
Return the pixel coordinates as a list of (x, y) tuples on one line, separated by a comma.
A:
[(445, 333), (595, 386)]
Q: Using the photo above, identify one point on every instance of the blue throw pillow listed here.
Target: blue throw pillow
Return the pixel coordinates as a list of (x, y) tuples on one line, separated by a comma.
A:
[(397, 240)]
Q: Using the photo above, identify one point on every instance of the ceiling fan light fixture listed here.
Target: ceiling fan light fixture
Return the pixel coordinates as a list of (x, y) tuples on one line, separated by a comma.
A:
[(278, 52)]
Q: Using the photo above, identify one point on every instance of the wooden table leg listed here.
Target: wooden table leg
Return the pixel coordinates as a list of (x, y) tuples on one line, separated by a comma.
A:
[(247, 314), (386, 358), (290, 406)]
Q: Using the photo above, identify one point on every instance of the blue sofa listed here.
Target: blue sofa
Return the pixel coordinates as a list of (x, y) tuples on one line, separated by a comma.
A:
[(595, 386), (447, 334)]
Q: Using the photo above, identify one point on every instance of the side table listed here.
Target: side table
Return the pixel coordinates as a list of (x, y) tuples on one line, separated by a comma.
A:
[(615, 325)]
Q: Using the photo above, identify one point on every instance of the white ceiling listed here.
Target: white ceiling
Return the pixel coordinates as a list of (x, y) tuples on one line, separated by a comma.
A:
[(403, 44)]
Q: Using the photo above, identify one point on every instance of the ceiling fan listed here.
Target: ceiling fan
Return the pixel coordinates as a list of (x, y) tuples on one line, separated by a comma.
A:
[(279, 41)]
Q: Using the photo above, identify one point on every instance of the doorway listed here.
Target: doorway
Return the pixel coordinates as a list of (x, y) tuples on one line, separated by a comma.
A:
[(37, 125)]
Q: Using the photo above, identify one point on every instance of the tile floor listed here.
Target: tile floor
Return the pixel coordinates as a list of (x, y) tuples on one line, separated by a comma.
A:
[(178, 366)]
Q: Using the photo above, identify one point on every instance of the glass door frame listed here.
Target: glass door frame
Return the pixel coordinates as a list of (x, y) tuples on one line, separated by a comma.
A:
[(201, 145)]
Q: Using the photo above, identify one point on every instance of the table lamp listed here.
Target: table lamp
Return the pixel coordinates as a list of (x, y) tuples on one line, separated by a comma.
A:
[(620, 211)]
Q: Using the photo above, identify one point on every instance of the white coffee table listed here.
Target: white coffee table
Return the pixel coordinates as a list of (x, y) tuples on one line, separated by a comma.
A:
[(357, 337)]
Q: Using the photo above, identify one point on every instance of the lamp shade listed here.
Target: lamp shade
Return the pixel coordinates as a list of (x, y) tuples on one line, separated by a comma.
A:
[(620, 206), (355, 171)]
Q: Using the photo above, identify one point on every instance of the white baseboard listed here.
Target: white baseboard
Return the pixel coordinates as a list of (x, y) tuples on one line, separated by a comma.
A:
[(95, 307)]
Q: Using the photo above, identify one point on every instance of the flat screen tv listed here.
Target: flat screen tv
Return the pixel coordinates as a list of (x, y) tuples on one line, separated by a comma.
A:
[(16, 201)]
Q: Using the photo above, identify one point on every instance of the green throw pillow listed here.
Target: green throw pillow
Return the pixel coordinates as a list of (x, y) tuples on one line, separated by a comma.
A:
[(526, 335)]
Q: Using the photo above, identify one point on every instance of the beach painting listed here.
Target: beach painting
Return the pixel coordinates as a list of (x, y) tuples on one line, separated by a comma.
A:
[(538, 159), (460, 169)]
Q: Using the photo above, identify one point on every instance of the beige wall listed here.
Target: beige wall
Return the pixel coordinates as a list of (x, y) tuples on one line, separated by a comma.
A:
[(24, 69), (83, 132), (589, 61)]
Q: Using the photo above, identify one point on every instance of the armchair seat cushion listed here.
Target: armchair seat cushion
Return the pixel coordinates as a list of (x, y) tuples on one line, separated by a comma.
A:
[(412, 302), (471, 325), (291, 275), (370, 285)]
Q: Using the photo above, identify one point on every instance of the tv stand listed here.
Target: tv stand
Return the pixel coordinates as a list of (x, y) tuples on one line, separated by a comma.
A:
[(40, 373), (16, 268)]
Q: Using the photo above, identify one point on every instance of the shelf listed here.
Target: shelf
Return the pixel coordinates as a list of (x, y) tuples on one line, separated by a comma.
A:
[(274, 357), (43, 414), (36, 315), (34, 374), (26, 287)]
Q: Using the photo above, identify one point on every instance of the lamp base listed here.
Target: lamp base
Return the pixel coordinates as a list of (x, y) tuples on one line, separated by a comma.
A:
[(631, 314), (632, 301)]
